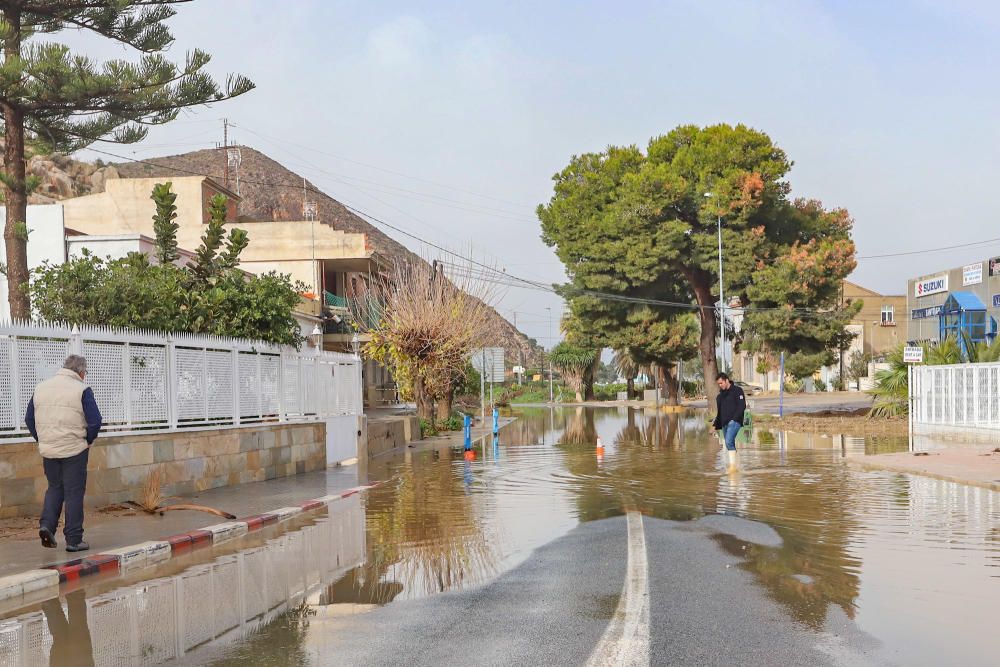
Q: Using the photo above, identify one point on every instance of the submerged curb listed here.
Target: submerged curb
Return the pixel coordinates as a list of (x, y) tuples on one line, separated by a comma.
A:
[(129, 558)]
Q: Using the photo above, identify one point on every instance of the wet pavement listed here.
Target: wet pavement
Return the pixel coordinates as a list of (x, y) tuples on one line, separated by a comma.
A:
[(126, 526), (523, 556)]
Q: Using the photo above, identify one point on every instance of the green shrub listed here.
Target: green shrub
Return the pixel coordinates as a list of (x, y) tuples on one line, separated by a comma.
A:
[(837, 383), (609, 392), (427, 428), (452, 423), (691, 388), (793, 387), (819, 385)]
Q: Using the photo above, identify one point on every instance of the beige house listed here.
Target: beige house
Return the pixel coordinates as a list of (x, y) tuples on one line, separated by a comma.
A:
[(334, 266), (879, 326)]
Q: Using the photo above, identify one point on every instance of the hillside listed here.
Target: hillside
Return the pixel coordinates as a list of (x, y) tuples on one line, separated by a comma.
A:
[(269, 191)]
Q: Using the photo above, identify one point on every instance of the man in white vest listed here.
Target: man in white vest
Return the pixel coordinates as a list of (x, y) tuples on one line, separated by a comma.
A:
[(63, 418)]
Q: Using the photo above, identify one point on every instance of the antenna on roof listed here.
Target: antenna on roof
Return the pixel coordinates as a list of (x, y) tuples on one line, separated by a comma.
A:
[(225, 150), (233, 159), (308, 207)]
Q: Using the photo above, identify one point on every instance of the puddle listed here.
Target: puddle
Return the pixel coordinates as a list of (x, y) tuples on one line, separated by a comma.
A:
[(888, 551)]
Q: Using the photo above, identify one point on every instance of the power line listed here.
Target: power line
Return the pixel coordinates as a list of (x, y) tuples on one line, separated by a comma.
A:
[(491, 274), (929, 250), (389, 171), (423, 197)]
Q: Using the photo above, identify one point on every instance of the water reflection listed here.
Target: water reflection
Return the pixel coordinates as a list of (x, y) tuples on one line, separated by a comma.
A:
[(892, 552), (193, 614)]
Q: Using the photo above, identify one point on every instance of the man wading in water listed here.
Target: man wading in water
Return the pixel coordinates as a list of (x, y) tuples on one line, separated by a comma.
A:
[(730, 405)]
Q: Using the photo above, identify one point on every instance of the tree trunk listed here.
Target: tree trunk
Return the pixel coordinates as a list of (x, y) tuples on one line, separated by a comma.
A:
[(630, 388), (701, 285), (15, 232), (588, 379), (443, 410), (668, 376), (425, 406)]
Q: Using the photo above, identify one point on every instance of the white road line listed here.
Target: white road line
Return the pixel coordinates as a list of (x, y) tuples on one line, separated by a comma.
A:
[(626, 639)]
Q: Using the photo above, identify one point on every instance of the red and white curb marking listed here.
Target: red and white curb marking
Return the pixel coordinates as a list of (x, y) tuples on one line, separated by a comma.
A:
[(127, 559)]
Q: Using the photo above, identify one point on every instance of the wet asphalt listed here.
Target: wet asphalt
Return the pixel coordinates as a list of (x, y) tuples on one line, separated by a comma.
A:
[(553, 608)]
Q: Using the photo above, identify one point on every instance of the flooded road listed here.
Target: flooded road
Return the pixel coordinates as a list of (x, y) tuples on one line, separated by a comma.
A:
[(908, 568)]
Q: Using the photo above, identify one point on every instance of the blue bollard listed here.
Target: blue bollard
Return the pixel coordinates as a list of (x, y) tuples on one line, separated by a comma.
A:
[(467, 426), (496, 421)]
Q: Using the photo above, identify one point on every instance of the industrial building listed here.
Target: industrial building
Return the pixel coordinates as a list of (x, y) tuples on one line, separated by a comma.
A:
[(963, 302)]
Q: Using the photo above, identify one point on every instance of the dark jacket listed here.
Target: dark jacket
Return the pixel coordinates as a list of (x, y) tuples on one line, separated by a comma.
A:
[(729, 406)]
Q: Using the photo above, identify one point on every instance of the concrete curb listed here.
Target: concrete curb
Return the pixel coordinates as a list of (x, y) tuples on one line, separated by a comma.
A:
[(130, 558), (873, 466)]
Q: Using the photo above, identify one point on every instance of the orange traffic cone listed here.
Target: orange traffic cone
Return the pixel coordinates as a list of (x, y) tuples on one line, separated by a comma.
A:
[(600, 448)]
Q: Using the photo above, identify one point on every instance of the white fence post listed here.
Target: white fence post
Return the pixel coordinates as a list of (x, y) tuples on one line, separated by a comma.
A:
[(235, 361), (75, 341), (173, 409)]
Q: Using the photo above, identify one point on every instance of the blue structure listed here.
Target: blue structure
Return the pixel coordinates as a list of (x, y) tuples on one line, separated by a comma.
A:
[(467, 427), (963, 316)]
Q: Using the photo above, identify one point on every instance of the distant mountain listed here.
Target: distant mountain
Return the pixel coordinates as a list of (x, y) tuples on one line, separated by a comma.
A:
[(269, 191)]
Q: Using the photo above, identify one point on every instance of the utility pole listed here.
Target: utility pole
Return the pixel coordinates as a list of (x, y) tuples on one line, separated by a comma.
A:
[(225, 150), (520, 354), (551, 399), (722, 302)]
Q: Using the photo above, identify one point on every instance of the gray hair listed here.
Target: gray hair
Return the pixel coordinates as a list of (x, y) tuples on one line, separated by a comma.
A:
[(76, 363)]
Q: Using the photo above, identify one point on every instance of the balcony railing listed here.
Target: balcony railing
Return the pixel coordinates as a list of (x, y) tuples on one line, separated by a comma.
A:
[(364, 314), (334, 301)]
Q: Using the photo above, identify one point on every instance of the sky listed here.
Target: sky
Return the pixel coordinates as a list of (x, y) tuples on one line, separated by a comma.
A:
[(448, 119)]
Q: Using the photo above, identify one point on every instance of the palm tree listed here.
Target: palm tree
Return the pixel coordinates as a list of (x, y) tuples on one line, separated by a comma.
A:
[(892, 386), (576, 365), (628, 368), (982, 352)]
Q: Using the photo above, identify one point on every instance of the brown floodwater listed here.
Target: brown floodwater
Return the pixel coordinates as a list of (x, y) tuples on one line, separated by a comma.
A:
[(915, 562)]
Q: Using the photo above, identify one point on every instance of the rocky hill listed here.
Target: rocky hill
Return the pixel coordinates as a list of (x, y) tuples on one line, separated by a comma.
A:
[(269, 191)]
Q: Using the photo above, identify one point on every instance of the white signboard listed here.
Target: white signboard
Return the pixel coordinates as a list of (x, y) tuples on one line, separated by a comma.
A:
[(930, 286), (489, 362), (913, 355), (972, 274)]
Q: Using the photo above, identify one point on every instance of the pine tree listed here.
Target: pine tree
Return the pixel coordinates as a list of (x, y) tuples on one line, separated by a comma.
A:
[(66, 101), (163, 223)]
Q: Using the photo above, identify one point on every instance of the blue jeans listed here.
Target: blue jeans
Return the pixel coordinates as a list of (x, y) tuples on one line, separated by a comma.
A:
[(729, 432), (67, 484)]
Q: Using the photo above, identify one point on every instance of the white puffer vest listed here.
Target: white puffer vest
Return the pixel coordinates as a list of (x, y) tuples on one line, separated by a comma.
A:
[(59, 419)]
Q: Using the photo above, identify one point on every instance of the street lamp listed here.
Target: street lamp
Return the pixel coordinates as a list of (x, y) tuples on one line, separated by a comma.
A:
[(356, 344), (550, 354), (317, 335), (722, 296)]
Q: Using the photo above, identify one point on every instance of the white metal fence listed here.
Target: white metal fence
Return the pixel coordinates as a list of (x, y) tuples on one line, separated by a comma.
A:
[(153, 381), (963, 395)]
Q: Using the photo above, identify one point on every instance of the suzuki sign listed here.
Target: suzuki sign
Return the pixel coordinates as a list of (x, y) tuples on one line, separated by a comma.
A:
[(934, 285)]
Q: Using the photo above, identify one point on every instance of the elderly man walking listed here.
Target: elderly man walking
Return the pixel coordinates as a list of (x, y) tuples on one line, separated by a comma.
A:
[(63, 418)]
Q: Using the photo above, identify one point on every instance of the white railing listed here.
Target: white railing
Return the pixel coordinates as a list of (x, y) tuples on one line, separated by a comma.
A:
[(147, 381), (962, 395)]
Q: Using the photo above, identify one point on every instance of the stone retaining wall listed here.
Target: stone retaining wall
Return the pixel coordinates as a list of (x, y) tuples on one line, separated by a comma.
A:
[(388, 433), (190, 461)]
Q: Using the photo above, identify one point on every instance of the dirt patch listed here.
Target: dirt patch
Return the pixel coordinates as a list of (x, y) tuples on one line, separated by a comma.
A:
[(19, 528), (860, 412), (853, 422)]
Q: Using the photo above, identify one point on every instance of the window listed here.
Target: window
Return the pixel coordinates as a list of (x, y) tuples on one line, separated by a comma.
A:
[(887, 316)]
